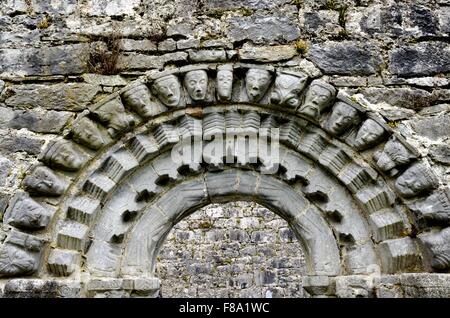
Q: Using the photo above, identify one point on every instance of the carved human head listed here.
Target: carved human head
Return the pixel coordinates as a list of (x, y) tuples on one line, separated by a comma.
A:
[(287, 90), (86, 133), (318, 97), (257, 83), (393, 155), (196, 83), (62, 154), (113, 113), (438, 248), (369, 134), (28, 214), (43, 181), (342, 117), (416, 180), (139, 99), (224, 82), (168, 90)]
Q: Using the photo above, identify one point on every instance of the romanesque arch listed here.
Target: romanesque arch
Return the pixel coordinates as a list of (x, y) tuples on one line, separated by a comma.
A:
[(358, 196)]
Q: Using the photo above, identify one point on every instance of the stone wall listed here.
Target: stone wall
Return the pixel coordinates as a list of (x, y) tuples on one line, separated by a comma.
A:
[(233, 250), (58, 58)]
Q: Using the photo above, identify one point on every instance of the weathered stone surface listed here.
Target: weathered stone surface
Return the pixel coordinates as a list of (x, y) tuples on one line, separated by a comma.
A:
[(104, 80), (253, 4), (68, 97), (68, 59), (12, 143), (129, 45), (5, 170), (40, 121), (433, 128), (267, 53), (63, 262), (321, 22), (135, 61), (411, 98), (426, 285), (346, 58), (354, 287), (421, 59), (110, 8), (34, 288), (208, 56), (260, 28), (440, 153)]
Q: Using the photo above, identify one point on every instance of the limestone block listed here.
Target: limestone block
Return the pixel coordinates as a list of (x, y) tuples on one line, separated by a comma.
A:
[(63, 262), (339, 57), (424, 59), (144, 184), (319, 285), (40, 121), (143, 147), (437, 248), (72, 235), (375, 198), (183, 200), (290, 133), (263, 28), (268, 54), (426, 285), (112, 113), (296, 167), (99, 186), (64, 155), (386, 224), (312, 145), (355, 177), (146, 286), (213, 124), (83, 209), (207, 56), (166, 169), (388, 286), (354, 287), (102, 259), (44, 182), (166, 134), (360, 259), (434, 209), (37, 288), (119, 164), (25, 213), (334, 159), (399, 255), (20, 255)]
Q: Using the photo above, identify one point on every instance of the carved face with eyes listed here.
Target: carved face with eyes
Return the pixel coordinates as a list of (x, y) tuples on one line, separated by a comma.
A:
[(318, 97), (87, 133), (415, 180), (63, 155), (43, 181), (224, 84), (394, 154), (287, 90), (168, 90), (369, 134), (28, 214), (341, 118), (257, 84), (139, 100), (196, 83)]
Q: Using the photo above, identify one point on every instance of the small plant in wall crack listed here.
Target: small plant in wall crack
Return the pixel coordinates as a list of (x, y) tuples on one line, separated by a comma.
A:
[(104, 57)]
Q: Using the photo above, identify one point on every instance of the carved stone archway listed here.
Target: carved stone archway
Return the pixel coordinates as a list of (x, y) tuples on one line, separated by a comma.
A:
[(356, 194)]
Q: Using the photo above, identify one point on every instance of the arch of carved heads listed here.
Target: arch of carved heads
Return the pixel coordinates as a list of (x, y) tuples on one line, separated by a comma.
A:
[(98, 204)]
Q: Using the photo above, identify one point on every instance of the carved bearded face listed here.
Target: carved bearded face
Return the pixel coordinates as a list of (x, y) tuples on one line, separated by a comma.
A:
[(257, 84), (341, 118), (196, 83), (87, 133), (368, 135), (44, 182), (287, 90), (224, 84), (393, 154), (317, 99), (168, 90), (29, 214), (414, 181), (139, 100)]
